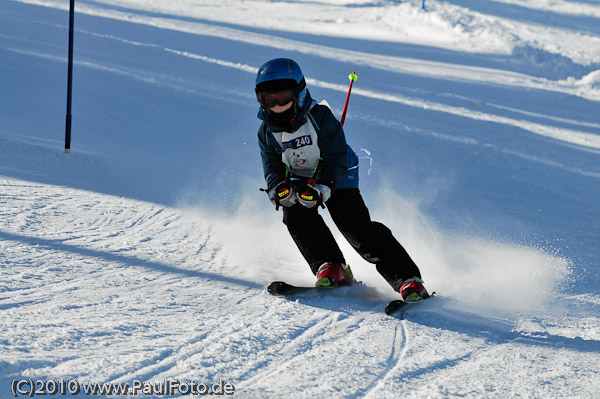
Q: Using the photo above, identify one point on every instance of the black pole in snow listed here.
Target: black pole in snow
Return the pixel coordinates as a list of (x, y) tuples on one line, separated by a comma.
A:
[(69, 79)]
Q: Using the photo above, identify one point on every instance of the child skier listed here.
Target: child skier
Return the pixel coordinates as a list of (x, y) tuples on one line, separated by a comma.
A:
[(307, 163)]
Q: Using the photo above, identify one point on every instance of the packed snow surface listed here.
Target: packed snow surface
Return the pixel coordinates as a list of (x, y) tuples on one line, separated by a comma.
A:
[(142, 255)]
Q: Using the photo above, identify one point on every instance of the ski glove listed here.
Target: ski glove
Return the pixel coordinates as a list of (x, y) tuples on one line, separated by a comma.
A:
[(311, 196), (283, 194)]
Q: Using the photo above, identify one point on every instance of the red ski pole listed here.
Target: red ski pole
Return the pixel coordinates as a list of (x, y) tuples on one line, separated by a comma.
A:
[(352, 78)]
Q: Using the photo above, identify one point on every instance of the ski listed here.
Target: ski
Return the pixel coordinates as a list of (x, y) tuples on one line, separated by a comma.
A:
[(399, 306), (281, 288)]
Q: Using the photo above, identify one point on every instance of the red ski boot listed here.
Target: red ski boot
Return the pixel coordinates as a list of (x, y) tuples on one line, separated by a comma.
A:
[(333, 275), (412, 290)]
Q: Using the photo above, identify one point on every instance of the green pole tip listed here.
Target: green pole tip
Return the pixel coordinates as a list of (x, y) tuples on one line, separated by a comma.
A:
[(352, 77)]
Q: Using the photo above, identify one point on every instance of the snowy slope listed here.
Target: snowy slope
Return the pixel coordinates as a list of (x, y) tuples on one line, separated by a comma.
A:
[(143, 254)]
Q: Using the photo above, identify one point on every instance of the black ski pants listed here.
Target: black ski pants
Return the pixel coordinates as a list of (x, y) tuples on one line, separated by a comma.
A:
[(372, 240)]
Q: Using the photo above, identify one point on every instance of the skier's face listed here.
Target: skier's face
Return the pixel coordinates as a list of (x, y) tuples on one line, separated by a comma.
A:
[(281, 108), (276, 101)]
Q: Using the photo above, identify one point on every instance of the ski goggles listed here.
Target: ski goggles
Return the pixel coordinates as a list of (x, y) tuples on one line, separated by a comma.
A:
[(272, 98)]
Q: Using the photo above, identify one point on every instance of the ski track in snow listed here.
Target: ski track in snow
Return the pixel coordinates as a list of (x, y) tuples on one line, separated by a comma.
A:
[(90, 271)]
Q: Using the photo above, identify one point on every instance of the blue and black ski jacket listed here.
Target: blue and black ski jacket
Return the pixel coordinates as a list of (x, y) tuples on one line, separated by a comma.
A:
[(316, 138)]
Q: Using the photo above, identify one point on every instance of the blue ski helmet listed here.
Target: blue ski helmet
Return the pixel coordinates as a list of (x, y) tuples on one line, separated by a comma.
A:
[(281, 74)]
